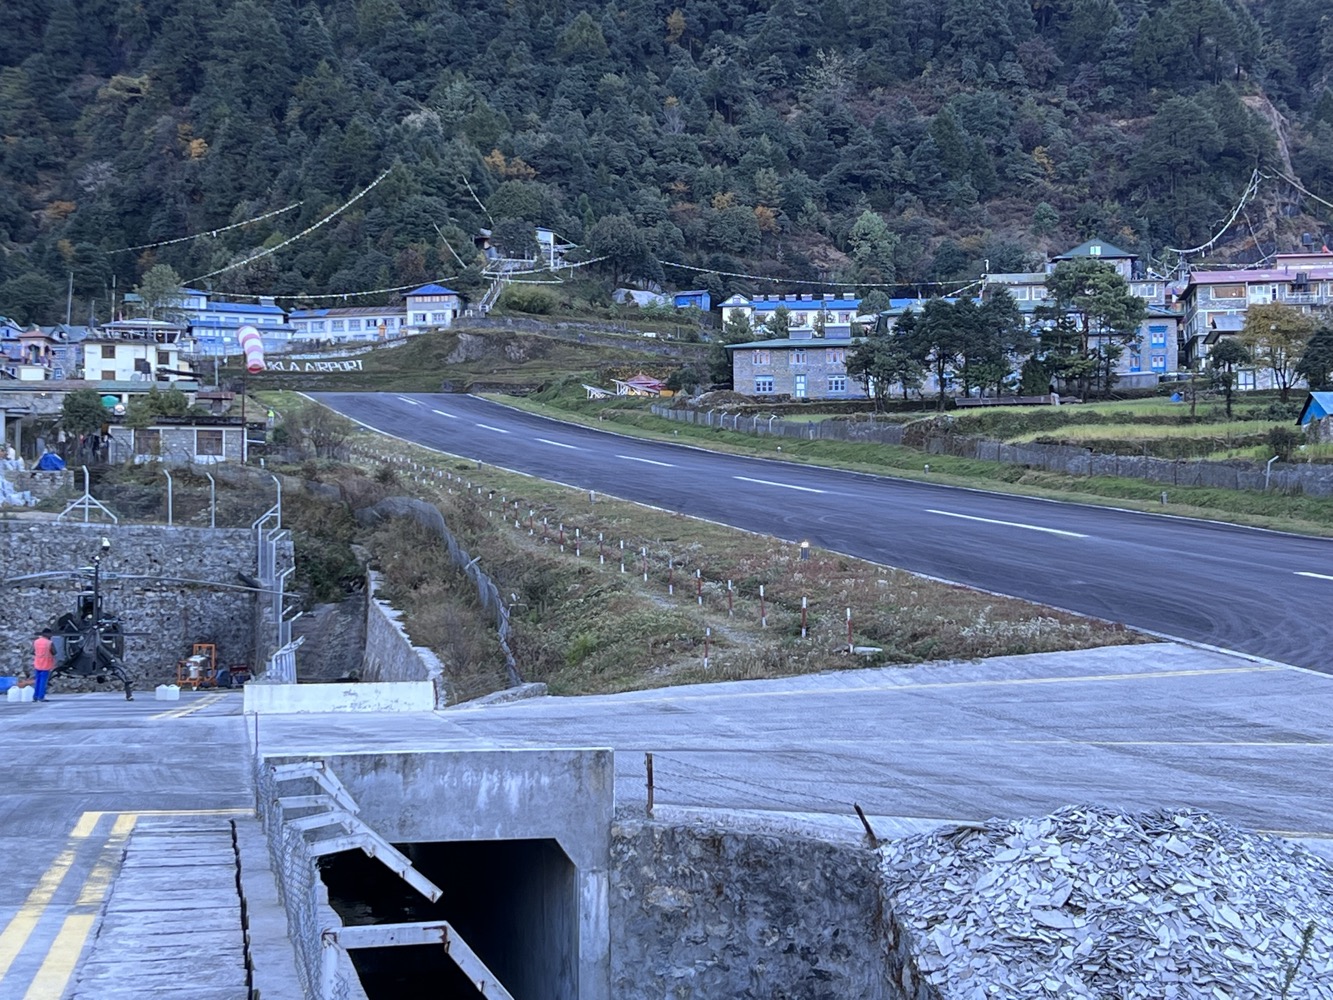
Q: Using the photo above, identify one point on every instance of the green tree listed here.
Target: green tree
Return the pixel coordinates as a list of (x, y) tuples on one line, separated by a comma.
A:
[(1045, 219), (1096, 301), (884, 360), (30, 298), (872, 244), (876, 301), (938, 339), (778, 324), (582, 39), (1316, 364), (82, 412), (621, 242), (1033, 379), (1276, 336), (736, 330), (1226, 356), (159, 292)]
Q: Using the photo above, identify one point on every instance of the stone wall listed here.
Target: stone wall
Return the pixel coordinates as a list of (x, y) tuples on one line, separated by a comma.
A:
[(390, 655), (162, 581), (715, 911), (39, 485)]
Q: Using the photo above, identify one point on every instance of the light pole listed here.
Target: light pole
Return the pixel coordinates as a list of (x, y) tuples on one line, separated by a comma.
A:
[(102, 552)]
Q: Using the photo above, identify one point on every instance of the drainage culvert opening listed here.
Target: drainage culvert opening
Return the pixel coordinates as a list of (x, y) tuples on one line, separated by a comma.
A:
[(513, 902)]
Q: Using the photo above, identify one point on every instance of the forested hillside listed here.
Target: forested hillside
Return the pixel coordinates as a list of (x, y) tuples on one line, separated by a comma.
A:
[(848, 140)]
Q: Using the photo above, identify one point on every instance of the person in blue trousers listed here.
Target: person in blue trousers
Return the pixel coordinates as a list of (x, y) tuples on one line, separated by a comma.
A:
[(43, 662)]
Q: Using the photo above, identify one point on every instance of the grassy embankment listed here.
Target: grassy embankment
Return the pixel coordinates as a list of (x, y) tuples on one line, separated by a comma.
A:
[(499, 360), (583, 626), (1309, 515)]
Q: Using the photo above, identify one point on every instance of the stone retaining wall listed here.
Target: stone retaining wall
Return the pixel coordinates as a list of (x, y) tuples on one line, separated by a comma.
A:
[(700, 911), (159, 579)]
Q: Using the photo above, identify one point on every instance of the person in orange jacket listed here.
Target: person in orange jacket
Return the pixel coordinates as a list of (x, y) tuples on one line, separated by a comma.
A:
[(43, 662)]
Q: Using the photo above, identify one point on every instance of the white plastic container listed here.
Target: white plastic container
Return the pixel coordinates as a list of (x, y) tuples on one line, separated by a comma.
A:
[(167, 692), (14, 694), (26, 693)]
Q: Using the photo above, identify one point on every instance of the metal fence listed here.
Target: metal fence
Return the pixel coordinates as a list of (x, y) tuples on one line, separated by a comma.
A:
[(1282, 477), (430, 518)]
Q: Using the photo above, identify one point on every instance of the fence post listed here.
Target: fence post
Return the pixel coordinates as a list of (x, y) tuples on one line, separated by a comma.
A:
[(763, 609)]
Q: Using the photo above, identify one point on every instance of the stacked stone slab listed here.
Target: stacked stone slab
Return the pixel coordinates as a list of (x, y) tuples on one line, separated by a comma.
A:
[(1091, 902)]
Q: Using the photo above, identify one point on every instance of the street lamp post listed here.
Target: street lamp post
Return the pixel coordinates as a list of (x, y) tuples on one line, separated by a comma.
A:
[(102, 552)]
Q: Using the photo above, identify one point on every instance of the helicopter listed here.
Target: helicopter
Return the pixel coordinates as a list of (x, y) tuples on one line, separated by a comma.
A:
[(90, 642)]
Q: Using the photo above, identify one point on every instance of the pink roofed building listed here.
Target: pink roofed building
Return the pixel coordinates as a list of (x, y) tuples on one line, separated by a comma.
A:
[(1216, 302)]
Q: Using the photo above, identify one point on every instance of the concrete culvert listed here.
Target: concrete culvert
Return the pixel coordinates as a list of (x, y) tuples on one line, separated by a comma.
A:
[(514, 902)]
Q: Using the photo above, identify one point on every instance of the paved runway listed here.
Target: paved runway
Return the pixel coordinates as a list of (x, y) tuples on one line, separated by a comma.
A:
[(1264, 593)]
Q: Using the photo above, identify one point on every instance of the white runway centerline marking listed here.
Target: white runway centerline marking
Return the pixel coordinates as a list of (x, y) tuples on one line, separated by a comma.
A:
[(646, 461), (488, 427), (414, 402), (451, 416), (785, 486), (559, 444), (1008, 524), (1316, 576)]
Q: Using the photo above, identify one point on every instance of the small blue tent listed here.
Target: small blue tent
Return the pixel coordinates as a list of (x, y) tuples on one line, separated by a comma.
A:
[(1318, 406), (50, 462)]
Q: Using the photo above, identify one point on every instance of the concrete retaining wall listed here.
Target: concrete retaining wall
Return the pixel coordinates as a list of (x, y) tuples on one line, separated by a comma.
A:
[(398, 696), (146, 579), (390, 655), (700, 911), (496, 795)]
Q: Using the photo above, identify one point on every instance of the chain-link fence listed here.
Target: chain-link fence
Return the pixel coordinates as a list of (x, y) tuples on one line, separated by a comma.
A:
[(430, 518), (1282, 477)]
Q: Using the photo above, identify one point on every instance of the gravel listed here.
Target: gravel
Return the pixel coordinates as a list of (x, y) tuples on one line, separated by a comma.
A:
[(1093, 902)]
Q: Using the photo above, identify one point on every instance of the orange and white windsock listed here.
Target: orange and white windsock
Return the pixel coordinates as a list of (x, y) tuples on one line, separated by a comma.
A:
[(253, 346)]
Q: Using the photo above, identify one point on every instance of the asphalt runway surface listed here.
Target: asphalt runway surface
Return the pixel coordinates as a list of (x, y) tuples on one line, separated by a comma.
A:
[(1263, 593)]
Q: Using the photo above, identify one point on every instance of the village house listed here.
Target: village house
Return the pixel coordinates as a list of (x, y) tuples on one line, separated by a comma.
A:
[(1215, 304), (136, 351), (1155, 353), (806, 313), (348, 324), (800, 366)]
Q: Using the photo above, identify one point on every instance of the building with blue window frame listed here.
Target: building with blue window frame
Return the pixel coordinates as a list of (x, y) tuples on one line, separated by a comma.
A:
[(1156, 351)]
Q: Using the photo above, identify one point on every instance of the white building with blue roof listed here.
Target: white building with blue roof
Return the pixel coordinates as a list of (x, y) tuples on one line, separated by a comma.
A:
[(213, 324), (804, 312), (428, 307)]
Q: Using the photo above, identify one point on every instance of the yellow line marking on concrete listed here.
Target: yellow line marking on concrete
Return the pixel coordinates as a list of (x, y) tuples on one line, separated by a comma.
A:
[(180, 713), (84, 827), (99, 879), (63, 956), (55, 973), (24, 922)]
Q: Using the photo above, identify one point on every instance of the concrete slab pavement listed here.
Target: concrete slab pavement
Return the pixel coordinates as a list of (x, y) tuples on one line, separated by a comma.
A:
[(1137, 726)]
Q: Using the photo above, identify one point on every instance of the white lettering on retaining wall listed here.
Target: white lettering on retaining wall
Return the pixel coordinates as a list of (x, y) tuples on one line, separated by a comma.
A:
[(315, 366)]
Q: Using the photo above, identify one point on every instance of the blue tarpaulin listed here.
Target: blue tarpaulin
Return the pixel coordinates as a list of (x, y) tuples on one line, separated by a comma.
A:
[(50, 462)]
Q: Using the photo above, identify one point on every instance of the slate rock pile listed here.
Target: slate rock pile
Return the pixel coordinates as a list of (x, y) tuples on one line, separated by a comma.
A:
[(1092, 902)]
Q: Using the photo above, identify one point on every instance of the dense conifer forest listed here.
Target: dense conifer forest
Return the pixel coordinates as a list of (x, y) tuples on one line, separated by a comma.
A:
[(870, 141)]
